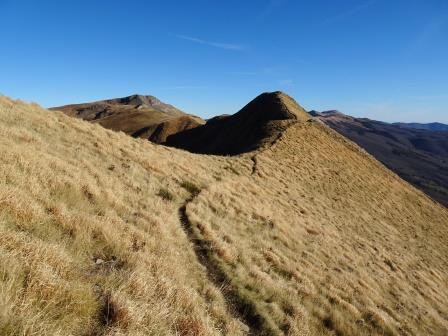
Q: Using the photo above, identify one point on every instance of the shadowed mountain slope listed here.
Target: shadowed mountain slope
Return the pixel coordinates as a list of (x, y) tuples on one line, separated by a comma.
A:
[(137, 115), (103, 234), (419, 156), (254, 126)]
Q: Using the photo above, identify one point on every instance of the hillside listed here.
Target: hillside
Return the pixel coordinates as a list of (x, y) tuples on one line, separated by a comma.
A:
[(137, 115), (255, 125), (420, 156), (103, 234)]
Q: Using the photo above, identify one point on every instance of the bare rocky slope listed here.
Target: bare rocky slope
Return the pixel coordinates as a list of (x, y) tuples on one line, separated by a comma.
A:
[(137, 115), (418, 155), (103, 234)]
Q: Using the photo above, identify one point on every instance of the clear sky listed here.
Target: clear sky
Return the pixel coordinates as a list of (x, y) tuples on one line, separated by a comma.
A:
[(383, 59)]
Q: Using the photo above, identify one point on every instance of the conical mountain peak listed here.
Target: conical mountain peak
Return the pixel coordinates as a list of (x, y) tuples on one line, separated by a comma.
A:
[(275, 106), (256, 125)]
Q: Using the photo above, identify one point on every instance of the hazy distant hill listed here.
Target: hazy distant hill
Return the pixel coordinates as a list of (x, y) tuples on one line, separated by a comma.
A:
[(418, 155), (137, 115), (103, 234), (430, 126)]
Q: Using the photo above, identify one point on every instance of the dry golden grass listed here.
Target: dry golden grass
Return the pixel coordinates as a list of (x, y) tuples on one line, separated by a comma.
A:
[(87, 245), (320, 240), (323, 240)]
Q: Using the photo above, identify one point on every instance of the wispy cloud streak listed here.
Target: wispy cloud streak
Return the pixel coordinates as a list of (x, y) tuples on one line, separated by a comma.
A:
[(431, 30), (227, 46), (243, 73), (348, 13)]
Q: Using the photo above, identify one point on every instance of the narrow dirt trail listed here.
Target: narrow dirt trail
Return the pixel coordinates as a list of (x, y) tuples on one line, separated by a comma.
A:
[(203, 250), (236, 306), (254, 158)]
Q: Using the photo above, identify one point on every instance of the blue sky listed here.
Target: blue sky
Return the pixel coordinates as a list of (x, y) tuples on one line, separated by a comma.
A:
[(383, 59)]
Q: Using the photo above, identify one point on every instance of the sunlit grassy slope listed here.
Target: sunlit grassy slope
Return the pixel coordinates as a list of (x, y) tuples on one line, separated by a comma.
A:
[(102, 234), (83, 231)]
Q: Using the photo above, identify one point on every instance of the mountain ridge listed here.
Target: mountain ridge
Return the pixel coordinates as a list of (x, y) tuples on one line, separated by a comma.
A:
[(252, 127)]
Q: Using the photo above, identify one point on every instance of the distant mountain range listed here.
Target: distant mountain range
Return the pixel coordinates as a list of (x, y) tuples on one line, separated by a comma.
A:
[(429, 127), (416, 152)]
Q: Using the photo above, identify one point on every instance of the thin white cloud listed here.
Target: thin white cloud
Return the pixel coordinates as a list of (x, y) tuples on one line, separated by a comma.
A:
[(350, 12), (429, 32), (227, 46), (243, 73)]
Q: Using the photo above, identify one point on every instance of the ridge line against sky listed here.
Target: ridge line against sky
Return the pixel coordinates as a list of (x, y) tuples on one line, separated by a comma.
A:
[(354, 56)]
